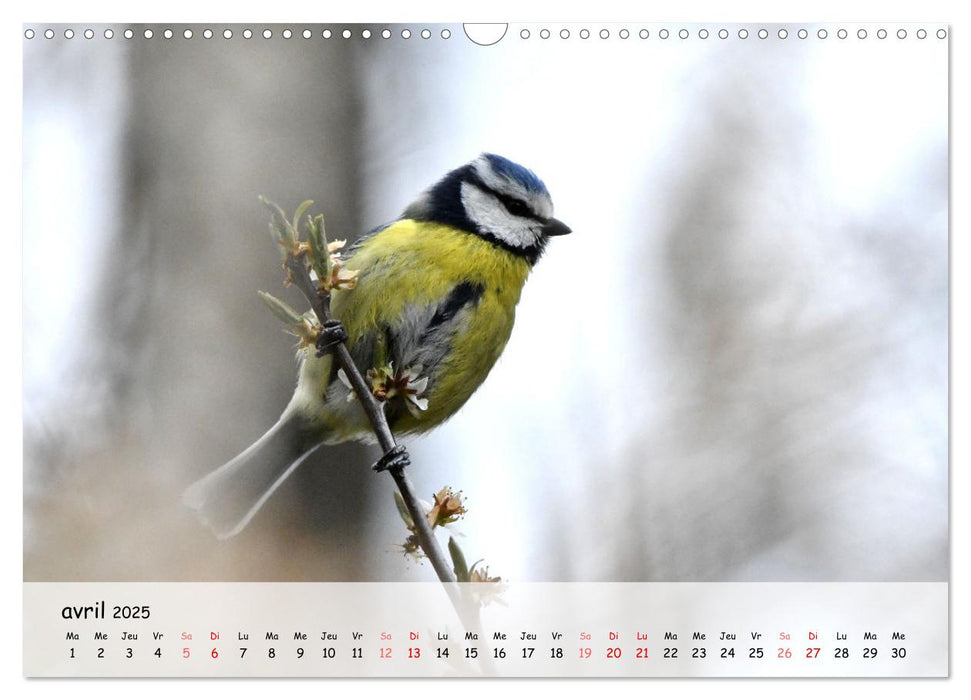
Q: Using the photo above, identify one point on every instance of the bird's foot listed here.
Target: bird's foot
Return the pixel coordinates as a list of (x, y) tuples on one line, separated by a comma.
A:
[(332, 333), (395, 457)]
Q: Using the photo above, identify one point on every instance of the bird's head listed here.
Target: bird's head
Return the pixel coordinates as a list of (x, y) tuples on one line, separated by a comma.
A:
[(494, 198)]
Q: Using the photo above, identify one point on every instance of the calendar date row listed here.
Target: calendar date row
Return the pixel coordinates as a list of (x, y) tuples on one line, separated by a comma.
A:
[(498, 653)]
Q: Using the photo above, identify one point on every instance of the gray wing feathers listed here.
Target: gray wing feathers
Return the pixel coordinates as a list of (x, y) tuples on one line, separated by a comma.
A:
[(422, 334)]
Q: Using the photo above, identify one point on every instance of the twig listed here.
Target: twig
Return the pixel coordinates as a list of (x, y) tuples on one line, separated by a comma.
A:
[(298, 268), (320, 302)]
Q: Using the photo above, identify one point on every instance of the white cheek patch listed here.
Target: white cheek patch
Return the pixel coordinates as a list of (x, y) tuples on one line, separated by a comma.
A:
[(492, 217)]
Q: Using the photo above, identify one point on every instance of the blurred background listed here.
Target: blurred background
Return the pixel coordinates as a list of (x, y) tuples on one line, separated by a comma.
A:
[(736, 368)]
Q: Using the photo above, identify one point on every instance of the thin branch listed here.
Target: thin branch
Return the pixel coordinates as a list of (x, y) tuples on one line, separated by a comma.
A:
[(298, 268), (320, 302)]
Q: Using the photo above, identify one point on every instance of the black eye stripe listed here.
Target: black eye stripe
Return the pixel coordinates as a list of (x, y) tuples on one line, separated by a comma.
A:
[(514, 206)]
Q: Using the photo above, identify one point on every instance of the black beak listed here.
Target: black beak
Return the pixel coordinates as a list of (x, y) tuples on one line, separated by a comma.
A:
[(555, 227)]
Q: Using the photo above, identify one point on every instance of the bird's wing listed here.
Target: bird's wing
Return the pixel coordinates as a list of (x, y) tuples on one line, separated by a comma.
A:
[(414, 279), (433, 296), (418, 333)]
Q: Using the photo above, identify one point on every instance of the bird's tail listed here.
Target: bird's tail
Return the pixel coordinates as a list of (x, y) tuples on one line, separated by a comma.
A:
[(228, 498)]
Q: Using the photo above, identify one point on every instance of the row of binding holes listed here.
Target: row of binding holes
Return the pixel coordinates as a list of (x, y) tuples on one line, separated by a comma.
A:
[(524, 34), (246, 34), (724, 34)]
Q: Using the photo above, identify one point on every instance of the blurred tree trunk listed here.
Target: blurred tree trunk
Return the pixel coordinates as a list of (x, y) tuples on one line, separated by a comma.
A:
[(196, 368)]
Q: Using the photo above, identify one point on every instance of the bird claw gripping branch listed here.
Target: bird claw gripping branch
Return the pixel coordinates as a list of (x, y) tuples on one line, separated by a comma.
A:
[(332, 333), (397, 457)]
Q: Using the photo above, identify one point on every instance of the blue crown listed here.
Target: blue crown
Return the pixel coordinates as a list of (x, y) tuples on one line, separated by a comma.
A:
[(514, 171)]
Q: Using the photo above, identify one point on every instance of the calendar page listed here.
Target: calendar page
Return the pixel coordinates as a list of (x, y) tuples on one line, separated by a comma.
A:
[(486, 350)]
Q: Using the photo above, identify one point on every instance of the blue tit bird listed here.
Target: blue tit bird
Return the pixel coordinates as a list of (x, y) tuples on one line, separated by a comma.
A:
[(435, 299)]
